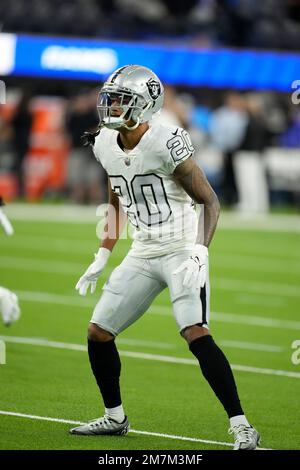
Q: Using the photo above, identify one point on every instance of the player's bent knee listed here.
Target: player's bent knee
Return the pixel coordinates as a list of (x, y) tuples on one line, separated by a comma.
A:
[(193, 332), (96, 333)]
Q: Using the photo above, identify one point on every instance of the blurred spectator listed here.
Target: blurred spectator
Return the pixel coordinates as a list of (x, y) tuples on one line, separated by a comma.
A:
[(230, 133), (256, 136), (6, 150), (228, 123), (272, 24), (85, 177), (135, 19), (174, 112), (227, 131), (291, 137), (248, 164), (237, 23), (21, 125)]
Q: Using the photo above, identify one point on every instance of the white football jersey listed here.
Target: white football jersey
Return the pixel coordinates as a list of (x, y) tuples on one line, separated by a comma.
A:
[(161, 212)]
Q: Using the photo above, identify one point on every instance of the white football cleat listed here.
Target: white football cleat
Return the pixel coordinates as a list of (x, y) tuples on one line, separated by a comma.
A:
[(245, 437), (103, 426)]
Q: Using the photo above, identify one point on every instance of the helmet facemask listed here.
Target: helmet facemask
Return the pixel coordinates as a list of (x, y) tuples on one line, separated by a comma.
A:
[(117, 106)]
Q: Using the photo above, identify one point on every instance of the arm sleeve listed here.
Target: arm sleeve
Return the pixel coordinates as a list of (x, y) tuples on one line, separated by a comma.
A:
[(178, 148)]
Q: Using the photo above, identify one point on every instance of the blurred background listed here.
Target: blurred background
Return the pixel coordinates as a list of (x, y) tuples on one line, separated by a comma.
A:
[(231, 71)]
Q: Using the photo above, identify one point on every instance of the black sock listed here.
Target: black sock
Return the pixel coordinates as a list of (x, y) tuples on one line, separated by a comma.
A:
[(106, 366), (217, 371)]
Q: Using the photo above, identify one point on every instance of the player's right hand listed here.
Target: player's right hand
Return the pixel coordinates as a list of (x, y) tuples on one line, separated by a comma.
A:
[(195, 268), (92, 273), (9, 308)]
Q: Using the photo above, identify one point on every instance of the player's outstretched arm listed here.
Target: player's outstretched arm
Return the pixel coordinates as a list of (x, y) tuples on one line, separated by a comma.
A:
[(194, 182), (115, 222)]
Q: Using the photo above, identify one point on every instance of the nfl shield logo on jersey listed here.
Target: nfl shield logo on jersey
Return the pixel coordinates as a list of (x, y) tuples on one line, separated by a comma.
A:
[(153, 88)]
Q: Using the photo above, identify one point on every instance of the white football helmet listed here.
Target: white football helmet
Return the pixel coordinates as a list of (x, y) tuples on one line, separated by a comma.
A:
[(131, 93)]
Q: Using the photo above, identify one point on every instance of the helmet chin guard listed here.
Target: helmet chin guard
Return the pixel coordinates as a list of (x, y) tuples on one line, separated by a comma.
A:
[(131, 93)]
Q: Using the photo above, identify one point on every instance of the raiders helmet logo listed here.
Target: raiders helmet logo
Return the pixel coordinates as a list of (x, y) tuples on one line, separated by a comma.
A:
[(153, 88)]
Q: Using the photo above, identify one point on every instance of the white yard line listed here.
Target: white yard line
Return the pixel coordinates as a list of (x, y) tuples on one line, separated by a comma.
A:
[(265, 261), (237, 367), (148, 344), (146, 433), (263, 223), (53, 245), (87, 214), (252, 320), (259, 299), (219, 283), (144, 343), (251, 346), (135, 431), (89, 302), (242, 261), (146, 356), (41, 266), (266, 288), (65, 213), (79, 347), (255, 263), (59, 299)]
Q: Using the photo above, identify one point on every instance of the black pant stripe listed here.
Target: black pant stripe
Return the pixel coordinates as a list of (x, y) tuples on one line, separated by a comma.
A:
[(203, 302)]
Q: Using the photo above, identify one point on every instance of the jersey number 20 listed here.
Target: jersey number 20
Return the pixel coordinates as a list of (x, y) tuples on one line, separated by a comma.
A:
[(180, 146), (144, 197)]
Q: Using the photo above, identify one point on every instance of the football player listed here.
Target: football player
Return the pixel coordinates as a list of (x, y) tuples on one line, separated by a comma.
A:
[(154, 182), (9, 308)]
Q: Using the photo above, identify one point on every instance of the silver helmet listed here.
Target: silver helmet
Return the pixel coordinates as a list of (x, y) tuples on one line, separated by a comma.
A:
[(131, 93)]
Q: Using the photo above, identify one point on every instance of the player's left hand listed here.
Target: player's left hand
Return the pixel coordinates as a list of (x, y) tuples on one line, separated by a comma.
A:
[(195, 268), (9, 307), (89, 278)]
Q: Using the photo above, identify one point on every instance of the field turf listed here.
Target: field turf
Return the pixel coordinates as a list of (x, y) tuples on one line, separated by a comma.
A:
[(255, 278)]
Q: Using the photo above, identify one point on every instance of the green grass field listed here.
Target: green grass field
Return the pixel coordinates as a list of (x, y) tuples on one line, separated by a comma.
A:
[(255, 278)]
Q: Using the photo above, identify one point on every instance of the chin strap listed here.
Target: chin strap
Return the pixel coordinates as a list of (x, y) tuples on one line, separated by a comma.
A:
[(131, 128), (139, 118), (88, 138)]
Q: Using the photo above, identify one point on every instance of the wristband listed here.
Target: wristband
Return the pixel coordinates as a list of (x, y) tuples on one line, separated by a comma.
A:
[(103, 253)]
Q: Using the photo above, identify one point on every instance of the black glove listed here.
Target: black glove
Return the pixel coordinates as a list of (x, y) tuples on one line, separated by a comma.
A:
[(88, 138)]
